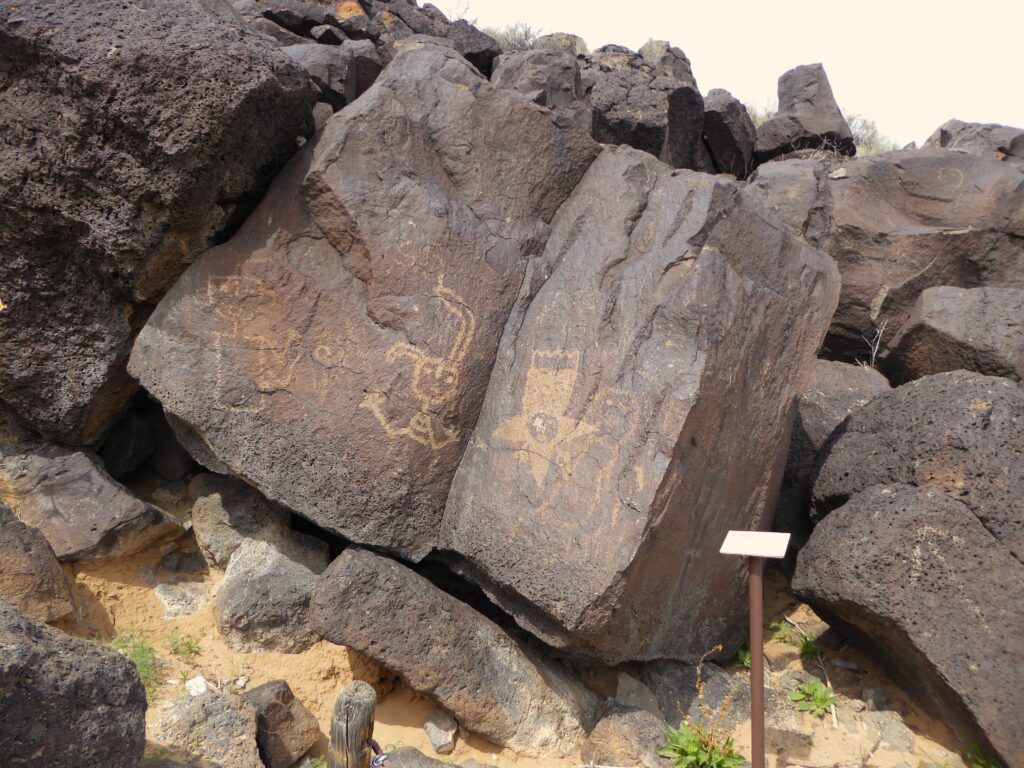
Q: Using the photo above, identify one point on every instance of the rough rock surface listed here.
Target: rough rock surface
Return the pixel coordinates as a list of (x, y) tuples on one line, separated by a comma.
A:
[(808, 117), (729, 133), (913, 575), (31, 579), (549, 78), (635, 378), (986, 139), (341, 72), (335, 352), (77, 506), (675, 686), (834, 392), (960, 432), (443, 648), (285, 729), (650, 102), (899, 223), (131, 137), (263, 602), (976, 329), (627, 736), (441, 728), (65, 702), (129, 443), (219, 728)]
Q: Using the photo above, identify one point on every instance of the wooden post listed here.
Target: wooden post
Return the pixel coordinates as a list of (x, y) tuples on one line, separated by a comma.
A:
[(351, 726), (757, 662)]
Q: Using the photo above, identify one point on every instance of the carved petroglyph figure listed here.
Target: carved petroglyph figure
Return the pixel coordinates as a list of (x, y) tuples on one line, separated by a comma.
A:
[(435, 379)]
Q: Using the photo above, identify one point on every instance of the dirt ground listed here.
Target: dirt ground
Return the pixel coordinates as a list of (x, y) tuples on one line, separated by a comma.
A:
[(121, 596)]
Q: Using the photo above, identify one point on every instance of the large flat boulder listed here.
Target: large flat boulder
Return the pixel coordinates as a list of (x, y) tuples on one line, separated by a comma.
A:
[(913, 575), (988, 139), (336, 351), (218, 729), (599, 481), (808, 117), (443, 648), (976, 329), (31, 578), (132, 137), (65, 702), (960, 432), (897, 224)]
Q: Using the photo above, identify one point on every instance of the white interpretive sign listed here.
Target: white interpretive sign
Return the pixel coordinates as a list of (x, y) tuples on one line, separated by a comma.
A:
[(755, 544)]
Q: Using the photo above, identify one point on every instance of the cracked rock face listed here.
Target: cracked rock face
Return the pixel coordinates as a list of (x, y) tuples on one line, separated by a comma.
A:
[(596, 485), (335, 352)]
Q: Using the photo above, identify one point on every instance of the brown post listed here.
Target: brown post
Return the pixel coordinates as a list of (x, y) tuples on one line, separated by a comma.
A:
[(757, 662), (352, 727)]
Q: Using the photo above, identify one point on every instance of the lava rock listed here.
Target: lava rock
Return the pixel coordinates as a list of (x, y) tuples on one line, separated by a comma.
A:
[(725, 694), (218, 728), (895, 568), (341, 72), (583, 502), (441, 729), (132, 137), (960, 432), (65, 702), (627, 736), (808, 117), (335, 352), (83, 513), (987, 139), (729, 133), (480, 49), (280, 35), (975, 329), (549, 78), (563, 42), (129, 443), (31, 578), (263, 602), (285, 729), (443, 648)]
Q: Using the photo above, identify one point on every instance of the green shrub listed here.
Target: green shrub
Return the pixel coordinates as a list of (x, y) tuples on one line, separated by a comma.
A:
[(690, 746), (781, 631), (743, 656), (978, 759), (130, 643), (814, 697), (183, 646), (318, 762), (809, 649)]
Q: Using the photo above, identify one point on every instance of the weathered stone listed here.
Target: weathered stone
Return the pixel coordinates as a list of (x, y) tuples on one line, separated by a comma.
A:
[(285, 729), (326, 34), (410, 757), (131, 138), (895, 568), (833, 393), (987, 139), (341, 72), (549, 78), (297, 16), (634, 376), (127, 445), (627, 736), (65, 702), (675, 686), (560, 41), (899, 223), (976, 329), (630, 692), (441, 729), (31, 579), (960, 432), (443, 648), (729, 133), (217, 727), (77, 506), (280, 35), (480, 49), (169, 459), (336, 351), (808, 117), (263, 602)]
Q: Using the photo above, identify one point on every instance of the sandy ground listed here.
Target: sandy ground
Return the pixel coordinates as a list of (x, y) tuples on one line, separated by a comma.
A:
[(120, 596)]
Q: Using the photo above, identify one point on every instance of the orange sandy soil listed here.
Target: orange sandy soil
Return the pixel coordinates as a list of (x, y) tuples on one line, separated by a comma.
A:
[(114, 596)]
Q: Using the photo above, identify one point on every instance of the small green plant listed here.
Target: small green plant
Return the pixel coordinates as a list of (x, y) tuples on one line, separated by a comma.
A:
[(781, 631), (130, 643), (183, 646), (743, 657), (690, 746), (978, 759), (318, 762), (813, 697), (809, 649)]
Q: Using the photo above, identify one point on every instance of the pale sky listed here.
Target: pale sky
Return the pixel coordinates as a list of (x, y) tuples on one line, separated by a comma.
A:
[(909, 65)]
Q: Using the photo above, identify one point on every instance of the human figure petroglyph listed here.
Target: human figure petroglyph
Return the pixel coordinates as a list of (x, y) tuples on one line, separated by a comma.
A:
[(435, 379)]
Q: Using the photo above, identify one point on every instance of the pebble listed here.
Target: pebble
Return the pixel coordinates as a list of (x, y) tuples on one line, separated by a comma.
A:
[(196, 686)]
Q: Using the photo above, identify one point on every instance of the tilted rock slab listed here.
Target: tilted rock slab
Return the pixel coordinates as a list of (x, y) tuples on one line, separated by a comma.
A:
[(286, 730), (549, 78), (975, 329), (729, 133), (65, 702), (988, 139), (335, 352), (639, 410), (31, 578), (442, 647), (131, 137), (899, 223), (960, 432), (913, 575), (219, 728)]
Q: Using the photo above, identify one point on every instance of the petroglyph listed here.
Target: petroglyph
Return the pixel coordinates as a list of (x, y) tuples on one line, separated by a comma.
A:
[(435, 379)]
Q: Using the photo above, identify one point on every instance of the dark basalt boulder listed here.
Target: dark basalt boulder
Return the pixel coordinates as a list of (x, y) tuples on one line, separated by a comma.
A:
[(729, 133), (132, 137), (549, 78), (31, 578), (285, 729), (65, 702), (986, 139), (341, 72)]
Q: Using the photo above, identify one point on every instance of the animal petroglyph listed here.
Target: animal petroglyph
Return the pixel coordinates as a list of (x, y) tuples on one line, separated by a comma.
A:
[(435, 379)]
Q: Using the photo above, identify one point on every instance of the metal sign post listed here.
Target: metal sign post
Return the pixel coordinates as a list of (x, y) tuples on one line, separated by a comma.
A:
[(756, 545)]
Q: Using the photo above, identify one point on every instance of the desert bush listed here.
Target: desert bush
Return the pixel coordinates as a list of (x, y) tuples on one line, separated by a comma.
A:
[(514, 37)]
